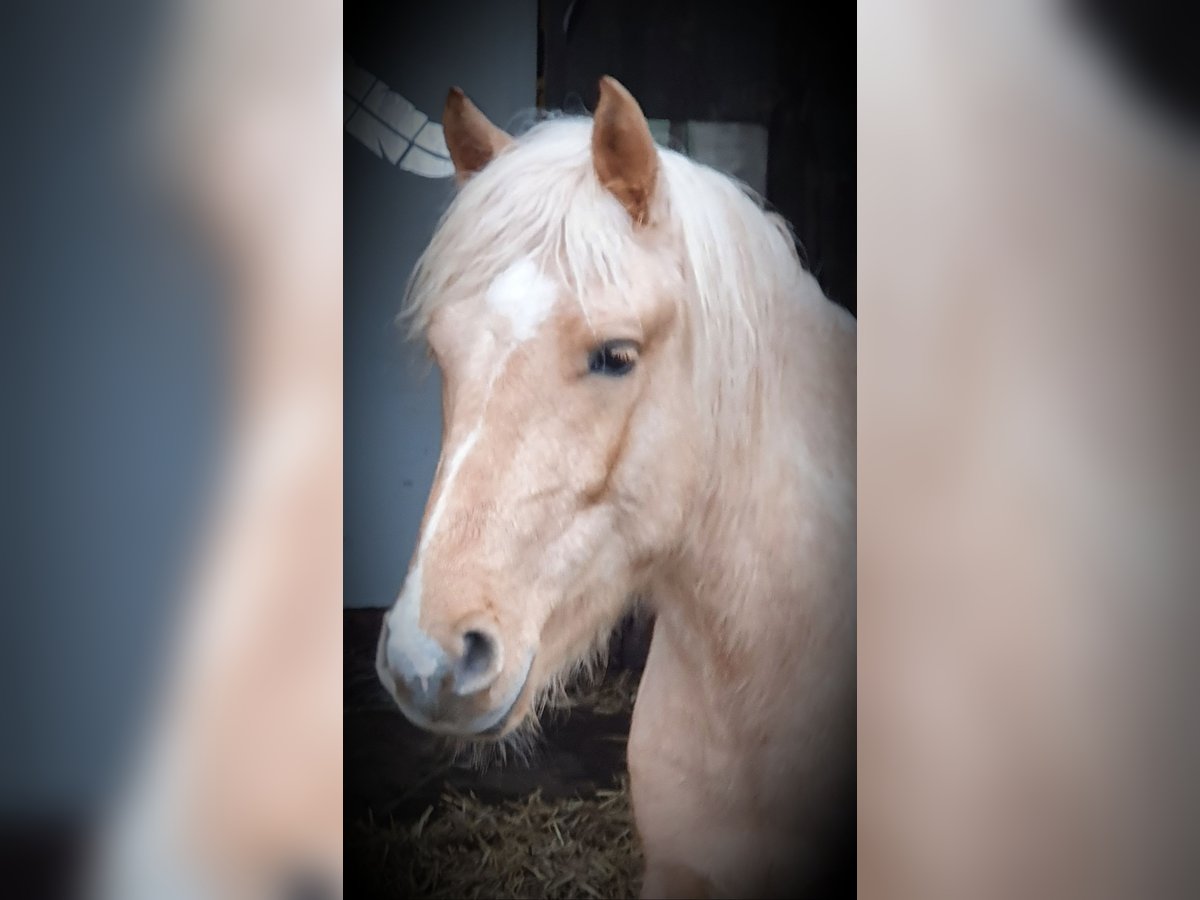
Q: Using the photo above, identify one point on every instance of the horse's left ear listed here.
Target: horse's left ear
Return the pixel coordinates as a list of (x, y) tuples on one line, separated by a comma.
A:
[(470, 137), (623, 150)]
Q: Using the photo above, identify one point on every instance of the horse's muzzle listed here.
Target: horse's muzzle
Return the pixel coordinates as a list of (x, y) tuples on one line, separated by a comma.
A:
[(445, 693)]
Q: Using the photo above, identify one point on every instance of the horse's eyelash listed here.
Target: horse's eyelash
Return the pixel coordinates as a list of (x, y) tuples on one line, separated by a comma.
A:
[(621, 348)]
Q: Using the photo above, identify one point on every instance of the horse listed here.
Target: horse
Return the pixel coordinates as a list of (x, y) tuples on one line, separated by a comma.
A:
[(645, 394)]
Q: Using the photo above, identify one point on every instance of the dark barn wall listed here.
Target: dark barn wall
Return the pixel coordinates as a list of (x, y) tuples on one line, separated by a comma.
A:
[(770, 64), (393, 413)]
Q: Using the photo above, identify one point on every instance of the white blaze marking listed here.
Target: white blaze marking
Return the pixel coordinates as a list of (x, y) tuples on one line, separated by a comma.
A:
[(410, 651), (523, 297), (456, 462), (415, 650)]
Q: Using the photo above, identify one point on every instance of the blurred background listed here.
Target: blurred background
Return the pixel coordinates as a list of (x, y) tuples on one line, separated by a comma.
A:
[(1027, 227), (1023, 267), (114, 342), (171, 573)]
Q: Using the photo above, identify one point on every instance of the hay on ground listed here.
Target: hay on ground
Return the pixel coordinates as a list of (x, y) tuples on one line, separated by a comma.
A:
[(528, 848), (533, 847)]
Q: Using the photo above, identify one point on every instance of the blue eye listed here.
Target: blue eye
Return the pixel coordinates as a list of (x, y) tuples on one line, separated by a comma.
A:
[(612, 358)]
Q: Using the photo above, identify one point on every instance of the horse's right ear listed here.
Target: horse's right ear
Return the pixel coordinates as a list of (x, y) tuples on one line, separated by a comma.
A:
[(471, 139)]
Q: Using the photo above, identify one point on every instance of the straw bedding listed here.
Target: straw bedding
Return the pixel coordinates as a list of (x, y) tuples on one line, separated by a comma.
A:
[(532, 846)]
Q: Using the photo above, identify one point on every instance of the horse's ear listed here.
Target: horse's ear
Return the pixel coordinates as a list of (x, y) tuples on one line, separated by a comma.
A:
[(471, 139), (623, 149)]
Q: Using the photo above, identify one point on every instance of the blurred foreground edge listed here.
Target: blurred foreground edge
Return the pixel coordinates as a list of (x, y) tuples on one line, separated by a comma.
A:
[(1027, 225), (237, 789)]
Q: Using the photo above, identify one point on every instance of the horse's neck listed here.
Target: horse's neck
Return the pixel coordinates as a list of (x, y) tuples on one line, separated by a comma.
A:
[(768, 567), (742, 552)]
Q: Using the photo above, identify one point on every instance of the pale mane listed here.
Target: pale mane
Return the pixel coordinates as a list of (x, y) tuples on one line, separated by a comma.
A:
[(541, 197)]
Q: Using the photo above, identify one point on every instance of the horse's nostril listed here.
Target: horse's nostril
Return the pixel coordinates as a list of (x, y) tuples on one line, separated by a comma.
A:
[(476, 668), (478, 651)]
